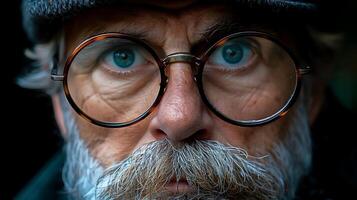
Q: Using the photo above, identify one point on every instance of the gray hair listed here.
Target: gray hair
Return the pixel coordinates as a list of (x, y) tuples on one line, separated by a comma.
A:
[(81, 170)]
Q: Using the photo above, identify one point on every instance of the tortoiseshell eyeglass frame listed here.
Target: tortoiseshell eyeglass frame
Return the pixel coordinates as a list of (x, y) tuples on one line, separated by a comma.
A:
[(197, 63)]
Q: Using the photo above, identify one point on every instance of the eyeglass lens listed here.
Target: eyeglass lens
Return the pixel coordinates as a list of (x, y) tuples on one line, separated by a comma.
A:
[(249, 78)]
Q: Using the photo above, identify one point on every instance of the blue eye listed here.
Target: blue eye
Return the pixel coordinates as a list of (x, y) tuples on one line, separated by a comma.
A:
[(124, 58), (234, 54)]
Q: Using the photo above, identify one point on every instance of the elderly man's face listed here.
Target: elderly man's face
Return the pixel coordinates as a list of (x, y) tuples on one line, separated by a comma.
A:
[(181, 124)]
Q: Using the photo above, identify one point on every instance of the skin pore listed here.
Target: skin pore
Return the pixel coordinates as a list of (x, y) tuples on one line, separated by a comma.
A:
[(181, 115)]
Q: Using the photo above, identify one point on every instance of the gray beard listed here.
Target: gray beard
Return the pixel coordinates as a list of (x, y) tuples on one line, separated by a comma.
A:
[(213, 170)]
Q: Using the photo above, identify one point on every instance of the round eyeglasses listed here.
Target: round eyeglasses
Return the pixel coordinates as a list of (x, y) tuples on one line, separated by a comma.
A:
[(115, 80)]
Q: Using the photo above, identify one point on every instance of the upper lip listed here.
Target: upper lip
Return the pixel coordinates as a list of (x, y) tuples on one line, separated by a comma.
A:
[(181, 180)]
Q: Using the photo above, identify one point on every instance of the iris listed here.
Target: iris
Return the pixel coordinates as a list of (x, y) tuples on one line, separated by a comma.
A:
[(123, 58), (233, 53)]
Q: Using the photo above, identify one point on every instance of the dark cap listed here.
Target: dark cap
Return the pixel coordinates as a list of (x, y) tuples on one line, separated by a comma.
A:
[(43, 18)]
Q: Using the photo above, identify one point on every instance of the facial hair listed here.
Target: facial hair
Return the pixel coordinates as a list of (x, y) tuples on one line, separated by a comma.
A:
[(212, 169)]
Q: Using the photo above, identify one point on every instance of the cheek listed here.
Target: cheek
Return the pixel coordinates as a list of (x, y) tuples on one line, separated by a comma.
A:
[(94, 94), (257, 93), (110, 97), (110, 145), (258, 141)]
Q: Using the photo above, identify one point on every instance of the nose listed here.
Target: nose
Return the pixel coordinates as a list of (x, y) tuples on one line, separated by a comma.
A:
[(181, 114)]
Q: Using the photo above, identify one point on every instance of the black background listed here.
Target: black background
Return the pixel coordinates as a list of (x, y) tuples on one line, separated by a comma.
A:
[(29, 136)]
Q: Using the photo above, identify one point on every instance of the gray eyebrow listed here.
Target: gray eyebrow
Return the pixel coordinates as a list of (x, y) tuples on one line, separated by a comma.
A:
[(141, 34), (226, 26), (219, 29)]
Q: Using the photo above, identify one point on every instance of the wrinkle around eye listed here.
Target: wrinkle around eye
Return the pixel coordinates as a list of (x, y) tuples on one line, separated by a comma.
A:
[(250, 100), (100, 100), (95, 100), (117, 99), (109, 86)]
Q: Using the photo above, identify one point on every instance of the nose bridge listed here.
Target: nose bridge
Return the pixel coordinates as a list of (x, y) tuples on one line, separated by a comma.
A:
[(183, 57), (180, 113), (181, 89)]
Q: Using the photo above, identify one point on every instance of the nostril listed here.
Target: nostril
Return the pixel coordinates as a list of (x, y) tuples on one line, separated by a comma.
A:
[(201, 134), (158, 134)]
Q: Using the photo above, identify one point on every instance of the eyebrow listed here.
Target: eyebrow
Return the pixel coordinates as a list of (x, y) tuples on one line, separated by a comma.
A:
[(225, 27), (140, 34), (214, 32), (219, 28), (210, 35)]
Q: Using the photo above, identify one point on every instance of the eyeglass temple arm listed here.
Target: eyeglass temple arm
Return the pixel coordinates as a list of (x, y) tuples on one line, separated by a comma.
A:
[(54, 71), (304, 70)]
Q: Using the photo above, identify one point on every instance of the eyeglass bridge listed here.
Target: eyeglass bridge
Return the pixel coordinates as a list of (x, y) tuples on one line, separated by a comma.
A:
[(181, 57)]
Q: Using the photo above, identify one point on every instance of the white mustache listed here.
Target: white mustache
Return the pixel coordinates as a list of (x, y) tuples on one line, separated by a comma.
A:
[(211, 168)]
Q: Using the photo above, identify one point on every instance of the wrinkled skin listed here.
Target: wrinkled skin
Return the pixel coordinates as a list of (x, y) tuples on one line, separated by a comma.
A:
[(181, 114)]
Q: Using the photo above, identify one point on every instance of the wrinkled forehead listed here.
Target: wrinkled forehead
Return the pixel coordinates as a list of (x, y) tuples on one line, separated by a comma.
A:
[(156, 20), (149, 20)]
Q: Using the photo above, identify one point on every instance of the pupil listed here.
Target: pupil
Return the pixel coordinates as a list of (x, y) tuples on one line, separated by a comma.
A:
[(232, 54), (123, 58)]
